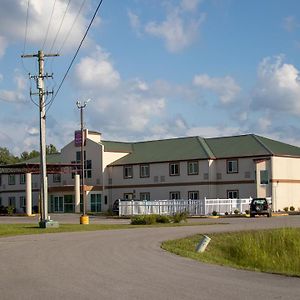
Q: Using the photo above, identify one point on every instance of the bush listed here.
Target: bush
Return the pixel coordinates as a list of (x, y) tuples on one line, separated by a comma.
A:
[(162, 219), (214, 213), (179, 217), (236, 211), (11, 210), (247, 211), (286, 209), (292, 208), (226, 213), (3, 210), (143, 220)]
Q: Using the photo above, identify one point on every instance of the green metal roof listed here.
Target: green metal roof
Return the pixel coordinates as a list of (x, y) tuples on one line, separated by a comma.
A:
[(111, 146), (189, 148)]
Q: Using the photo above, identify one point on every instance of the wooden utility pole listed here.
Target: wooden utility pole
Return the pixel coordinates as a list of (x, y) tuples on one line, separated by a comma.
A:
[(42, 122)]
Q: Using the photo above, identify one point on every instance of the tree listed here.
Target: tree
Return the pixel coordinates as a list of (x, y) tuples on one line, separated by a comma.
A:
[(51, 149), (6, 157)]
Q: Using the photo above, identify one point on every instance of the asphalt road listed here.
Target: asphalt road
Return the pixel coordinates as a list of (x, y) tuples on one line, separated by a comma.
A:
[(129, 264)]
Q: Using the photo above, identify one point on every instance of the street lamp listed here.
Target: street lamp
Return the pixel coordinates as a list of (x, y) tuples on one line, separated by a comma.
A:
[(84, 219)]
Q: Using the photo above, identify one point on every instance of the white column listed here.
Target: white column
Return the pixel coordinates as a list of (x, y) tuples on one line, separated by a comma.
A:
[(28, 195), (77, 193)]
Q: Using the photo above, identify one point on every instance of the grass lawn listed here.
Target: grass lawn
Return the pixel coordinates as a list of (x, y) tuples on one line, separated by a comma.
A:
[(273, 251), (22, 229)]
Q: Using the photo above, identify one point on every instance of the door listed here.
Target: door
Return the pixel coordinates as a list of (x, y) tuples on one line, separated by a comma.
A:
[(95, 202), (69, 204), (57, 204)]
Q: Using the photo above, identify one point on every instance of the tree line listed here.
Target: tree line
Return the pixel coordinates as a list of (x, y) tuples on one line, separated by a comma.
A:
[(6, 157)]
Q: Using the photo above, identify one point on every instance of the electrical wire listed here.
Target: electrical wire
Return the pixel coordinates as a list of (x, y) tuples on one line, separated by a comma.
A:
[(76, 53), (71, 28), (62, 20), (25, 36), (46, 36)]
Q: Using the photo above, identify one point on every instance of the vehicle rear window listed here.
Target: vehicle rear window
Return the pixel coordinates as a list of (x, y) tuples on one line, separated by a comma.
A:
[(259, 201)]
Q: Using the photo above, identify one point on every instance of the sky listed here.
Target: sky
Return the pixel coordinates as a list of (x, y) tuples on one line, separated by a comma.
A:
[(152, 69)]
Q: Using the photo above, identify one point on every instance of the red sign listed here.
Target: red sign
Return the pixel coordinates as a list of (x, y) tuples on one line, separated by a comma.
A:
[(78, 139)]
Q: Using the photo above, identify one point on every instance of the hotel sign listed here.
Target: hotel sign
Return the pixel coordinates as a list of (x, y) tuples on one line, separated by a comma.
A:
[(78, 138)]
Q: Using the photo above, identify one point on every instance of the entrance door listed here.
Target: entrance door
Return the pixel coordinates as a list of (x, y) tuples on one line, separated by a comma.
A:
[(95, 202), (58, 204), (69, 204)]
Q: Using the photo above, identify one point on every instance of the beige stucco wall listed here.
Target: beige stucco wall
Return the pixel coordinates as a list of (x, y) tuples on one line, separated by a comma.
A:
[(286, 182)]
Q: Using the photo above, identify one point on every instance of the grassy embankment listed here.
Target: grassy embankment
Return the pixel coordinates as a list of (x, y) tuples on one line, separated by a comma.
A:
[(273, 251)]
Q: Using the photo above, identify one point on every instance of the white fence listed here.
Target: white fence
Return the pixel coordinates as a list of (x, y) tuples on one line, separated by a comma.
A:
[(199, 207)]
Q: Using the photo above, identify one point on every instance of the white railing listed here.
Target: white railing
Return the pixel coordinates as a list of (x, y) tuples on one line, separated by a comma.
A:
[(199, 207)]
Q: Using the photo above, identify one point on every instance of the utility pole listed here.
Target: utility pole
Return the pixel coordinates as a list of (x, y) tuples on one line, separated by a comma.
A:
[(84, 219), (44, 222)]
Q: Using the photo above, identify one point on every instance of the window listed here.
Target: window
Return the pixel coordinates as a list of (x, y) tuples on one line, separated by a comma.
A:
[(145, 196), (193, 167), (128, 196), (193, 195), (22, 178), (56, 177), (11, 179), (87, 165), (264, 177), (174, 169), (88, 168), (174, 195), (232, 194), (96, 202), (232, 166), (128, 172), (12, 201), (144, 171), (22, 202)]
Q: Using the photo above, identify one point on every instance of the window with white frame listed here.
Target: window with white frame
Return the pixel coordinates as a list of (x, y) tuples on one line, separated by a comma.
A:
[(12, 201), (174, 195), (193, 195), (174, 169), (22, 178), (11, 179), (264, 177), (22, 202), (145, 196), (232, 166), (128, 172), (193, 167), (144, 171), (232, 194), (57, 177)]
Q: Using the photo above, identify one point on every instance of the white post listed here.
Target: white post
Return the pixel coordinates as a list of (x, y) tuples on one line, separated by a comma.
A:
[(77, 193), (28, 195)]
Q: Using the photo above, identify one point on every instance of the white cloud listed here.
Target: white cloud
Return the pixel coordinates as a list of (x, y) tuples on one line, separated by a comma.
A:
[(180, 29), (13, 20), (190, 5), (135, 22), (278, 87), (97, 71), (225, 87), (290, 23)]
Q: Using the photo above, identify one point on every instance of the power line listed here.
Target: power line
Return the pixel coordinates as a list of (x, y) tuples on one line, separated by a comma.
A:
[(46, 36), (76, 53), (60, 26), (71, 28)]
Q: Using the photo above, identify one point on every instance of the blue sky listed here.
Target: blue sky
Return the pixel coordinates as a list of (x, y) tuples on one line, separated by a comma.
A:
[(154, 69)]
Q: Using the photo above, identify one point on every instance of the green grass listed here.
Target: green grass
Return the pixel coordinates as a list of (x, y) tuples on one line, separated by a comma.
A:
[(23, 229), (273, 251)]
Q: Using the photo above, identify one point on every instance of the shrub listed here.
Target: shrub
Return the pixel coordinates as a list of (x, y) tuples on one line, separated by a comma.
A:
[(162, 219), (286, 209), (292, 208), (179, 217), (143, 220), (236, 211), (247, 211), (11, 210), (226, 213), (214, 213)]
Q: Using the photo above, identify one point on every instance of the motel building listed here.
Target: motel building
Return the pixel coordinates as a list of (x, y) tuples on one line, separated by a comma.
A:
[(180, 168)]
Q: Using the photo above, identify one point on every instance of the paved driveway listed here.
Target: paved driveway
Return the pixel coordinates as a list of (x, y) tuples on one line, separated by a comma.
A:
[(129, 264)]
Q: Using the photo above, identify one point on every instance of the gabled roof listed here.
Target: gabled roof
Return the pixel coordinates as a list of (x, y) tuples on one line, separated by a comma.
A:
[(189, 148), (54, 158)]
